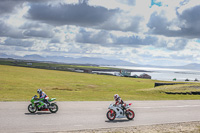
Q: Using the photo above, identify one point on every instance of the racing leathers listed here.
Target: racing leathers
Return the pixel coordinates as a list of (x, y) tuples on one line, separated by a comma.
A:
[(119, 102), (44, 99)]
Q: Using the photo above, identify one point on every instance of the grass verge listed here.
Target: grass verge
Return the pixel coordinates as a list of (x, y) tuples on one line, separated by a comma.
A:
[(20, 84)]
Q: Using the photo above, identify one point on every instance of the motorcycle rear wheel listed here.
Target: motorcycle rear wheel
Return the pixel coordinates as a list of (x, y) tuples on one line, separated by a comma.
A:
[(111, 116), (53, 108), (32, 109), (130, 114)]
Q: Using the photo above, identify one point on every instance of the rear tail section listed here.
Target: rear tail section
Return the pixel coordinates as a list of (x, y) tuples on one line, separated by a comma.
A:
[(52, 99)]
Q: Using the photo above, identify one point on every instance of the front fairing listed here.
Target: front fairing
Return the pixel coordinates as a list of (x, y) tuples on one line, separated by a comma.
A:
[(34, 100), (111, 106)]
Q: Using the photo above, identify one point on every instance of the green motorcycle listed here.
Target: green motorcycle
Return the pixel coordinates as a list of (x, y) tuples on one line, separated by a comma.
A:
[(36, 105)]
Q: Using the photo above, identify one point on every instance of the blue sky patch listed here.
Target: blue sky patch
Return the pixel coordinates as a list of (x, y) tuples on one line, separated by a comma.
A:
[(198, 40), (153, 2)]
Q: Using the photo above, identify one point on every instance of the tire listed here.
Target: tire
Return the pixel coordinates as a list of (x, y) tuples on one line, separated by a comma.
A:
[(32, 109), (111, 116), (53, 108), (130, 114)]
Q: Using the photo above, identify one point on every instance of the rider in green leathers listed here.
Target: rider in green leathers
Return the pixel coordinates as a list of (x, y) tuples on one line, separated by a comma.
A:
[(43, 98)]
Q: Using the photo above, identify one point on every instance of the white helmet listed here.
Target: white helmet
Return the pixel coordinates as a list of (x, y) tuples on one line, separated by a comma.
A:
[(39, 91), (116, 96)]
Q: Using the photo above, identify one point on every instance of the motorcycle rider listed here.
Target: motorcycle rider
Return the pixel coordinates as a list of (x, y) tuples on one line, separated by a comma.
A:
[(119, 102), (43, 98)]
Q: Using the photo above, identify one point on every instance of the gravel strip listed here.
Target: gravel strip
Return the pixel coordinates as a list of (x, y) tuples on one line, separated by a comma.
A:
[(185, 127)]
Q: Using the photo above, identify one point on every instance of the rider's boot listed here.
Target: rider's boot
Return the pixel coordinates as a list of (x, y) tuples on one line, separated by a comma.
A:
[(123, 109), (45, 105), (47, 102)]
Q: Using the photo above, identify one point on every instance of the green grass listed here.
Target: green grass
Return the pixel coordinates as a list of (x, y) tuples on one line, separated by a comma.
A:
[(21, 83)]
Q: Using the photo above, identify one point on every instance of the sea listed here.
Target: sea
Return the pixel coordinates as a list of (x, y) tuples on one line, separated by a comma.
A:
[(165, 74)]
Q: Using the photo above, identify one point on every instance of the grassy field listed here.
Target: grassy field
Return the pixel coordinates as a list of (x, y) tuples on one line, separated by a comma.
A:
[(20, 84)]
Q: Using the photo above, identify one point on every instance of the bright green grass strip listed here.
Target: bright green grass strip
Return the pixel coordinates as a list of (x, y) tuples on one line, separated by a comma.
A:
[(20, 84)]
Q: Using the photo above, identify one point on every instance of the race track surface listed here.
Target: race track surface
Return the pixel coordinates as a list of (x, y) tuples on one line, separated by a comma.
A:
[(14, 116)]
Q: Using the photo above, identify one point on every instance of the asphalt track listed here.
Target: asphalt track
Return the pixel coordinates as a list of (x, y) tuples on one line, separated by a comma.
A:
[(14, 116)]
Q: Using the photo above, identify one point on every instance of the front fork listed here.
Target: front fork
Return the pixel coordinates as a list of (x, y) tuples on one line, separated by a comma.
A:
[(33, 105)]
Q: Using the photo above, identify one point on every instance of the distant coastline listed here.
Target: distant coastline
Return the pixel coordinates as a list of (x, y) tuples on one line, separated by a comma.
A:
[(166, 74)]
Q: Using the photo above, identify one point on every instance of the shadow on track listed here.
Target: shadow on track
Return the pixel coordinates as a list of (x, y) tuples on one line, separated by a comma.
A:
[(38, 113), (117, 121)]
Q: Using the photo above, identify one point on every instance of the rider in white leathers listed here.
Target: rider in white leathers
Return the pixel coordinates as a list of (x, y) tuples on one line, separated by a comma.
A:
[(119, 102)]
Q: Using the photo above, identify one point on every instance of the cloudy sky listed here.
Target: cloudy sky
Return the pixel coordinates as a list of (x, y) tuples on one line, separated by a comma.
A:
[(155, 32)]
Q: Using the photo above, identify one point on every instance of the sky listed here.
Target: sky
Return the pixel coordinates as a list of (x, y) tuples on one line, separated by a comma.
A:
[(153, 32)]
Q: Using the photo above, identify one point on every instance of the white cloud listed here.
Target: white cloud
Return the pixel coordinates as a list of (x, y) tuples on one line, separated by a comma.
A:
[(130, 30), (188, 5)]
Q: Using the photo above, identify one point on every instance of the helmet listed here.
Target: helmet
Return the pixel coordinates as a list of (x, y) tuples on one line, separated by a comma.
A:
[(116, 96), (39, 91)]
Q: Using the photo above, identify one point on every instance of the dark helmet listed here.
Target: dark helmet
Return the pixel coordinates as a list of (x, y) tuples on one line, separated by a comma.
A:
[(39, 91)]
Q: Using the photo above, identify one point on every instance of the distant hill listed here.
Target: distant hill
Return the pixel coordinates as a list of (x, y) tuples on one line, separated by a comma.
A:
[(71, 60), (192, 66), (94, 61)]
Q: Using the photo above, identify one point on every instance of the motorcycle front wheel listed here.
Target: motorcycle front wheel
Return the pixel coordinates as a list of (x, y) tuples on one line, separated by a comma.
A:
[(111, 115), (32, 109), (53, 108), (130, 114)]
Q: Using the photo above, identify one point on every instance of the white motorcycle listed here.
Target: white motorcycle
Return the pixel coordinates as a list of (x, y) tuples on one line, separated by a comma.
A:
[(120, 112)]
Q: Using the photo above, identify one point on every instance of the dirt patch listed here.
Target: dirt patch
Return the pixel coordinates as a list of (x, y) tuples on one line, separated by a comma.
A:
[(195, 87), (185, 127), (92, 86), (63, 89)]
